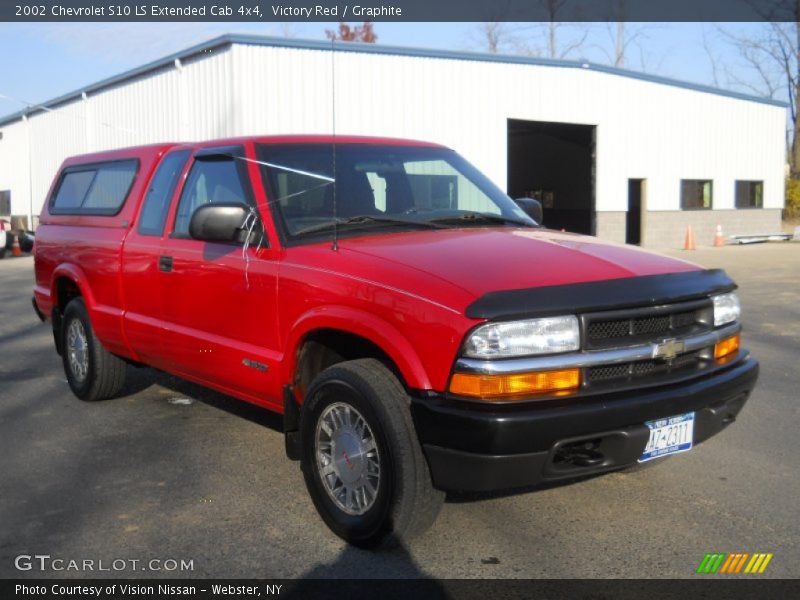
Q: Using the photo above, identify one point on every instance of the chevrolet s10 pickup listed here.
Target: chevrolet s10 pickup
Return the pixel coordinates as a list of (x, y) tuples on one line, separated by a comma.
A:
[(419, 331)]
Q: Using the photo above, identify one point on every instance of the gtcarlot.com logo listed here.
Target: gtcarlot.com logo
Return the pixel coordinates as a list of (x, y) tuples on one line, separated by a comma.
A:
[(734, 563), (45, 562)]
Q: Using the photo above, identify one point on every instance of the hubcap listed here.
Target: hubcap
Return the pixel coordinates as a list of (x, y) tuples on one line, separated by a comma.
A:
[(77, 350), (348, 461)]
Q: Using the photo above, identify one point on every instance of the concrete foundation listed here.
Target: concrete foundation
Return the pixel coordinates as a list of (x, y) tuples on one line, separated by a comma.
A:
[(667, 229)]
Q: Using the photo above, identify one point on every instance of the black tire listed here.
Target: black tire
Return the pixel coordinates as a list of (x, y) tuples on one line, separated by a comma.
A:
[(104, 374), (406, 503), (26, 241)]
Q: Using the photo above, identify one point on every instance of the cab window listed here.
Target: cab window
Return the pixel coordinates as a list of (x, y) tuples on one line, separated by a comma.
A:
[(209, 181), (159, 194)]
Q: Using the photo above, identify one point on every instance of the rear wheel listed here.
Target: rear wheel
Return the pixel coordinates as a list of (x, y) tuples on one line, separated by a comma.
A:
[(93, 373), (361, 460)]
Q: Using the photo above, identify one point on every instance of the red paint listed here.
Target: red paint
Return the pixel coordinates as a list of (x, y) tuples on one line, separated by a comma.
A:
[(347, 460), (405, 292)]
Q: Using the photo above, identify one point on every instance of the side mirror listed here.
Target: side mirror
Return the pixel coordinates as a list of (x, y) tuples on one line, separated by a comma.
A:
[(532, 208), (218, 222)]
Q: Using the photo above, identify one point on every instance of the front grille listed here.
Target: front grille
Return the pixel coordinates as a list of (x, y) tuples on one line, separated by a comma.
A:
[(625, 328), (654, 325), (643, 326), (645, 368), (608, 372)]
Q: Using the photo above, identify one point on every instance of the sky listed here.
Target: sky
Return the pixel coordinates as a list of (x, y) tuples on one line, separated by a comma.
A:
[(41, 61)]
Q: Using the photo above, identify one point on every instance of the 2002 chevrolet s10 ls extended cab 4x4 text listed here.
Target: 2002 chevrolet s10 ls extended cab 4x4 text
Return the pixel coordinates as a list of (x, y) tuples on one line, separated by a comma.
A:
[(419, 330)]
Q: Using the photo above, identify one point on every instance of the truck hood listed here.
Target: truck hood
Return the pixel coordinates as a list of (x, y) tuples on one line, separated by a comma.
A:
[(482, 260)]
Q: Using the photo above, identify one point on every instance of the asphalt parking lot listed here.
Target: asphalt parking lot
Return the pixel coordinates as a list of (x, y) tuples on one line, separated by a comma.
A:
[(174, 471)]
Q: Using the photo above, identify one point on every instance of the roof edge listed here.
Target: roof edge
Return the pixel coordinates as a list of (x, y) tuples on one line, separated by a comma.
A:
[(306, 44), (159, 63)]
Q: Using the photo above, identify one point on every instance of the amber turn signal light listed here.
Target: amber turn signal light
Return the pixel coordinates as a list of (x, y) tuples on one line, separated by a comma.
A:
[(727, 347), (515, 385)]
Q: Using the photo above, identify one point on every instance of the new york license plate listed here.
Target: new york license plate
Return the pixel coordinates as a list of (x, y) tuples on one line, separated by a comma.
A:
[(669, 436)]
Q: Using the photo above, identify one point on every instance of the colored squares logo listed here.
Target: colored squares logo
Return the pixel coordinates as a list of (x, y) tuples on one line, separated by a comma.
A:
[(734, 563)]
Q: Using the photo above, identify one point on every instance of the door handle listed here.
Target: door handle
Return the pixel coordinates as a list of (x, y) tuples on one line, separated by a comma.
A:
[(165, 263)]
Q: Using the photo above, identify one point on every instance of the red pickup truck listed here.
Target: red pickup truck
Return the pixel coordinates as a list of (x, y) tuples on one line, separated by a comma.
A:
[(419, 331)]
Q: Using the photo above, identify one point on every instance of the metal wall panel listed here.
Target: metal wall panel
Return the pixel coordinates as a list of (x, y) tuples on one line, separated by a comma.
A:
[(14, 166), (192, 101), (645, 129)]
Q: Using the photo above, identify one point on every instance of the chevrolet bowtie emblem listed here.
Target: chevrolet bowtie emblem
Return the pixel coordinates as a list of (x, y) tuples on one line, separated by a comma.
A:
[(668, 349)]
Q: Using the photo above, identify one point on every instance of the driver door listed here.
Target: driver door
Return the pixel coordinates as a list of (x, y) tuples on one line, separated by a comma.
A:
[(219, 304)]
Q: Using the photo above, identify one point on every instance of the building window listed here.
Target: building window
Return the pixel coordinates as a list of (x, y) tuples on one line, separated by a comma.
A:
[(749, 194), (696, 194)]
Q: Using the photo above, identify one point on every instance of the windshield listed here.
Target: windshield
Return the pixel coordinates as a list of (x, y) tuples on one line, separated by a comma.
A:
[(379, 187)]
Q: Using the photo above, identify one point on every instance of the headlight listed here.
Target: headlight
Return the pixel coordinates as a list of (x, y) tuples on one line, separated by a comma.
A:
[(726, 308), (521, 338)]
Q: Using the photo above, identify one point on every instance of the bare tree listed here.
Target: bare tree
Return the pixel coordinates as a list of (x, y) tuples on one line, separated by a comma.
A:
[(497, 33), (649, 62), (770, 67), (493, 36), (553, 9), (621, 41), (625, 37), (553, 45), (713, 59), (620, 44), (289, 30)]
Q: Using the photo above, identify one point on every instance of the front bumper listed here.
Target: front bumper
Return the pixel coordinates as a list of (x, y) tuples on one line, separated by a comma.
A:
[(476, 447)]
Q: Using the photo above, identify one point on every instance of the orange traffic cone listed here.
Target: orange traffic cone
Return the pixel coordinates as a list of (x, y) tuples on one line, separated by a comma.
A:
[(15, 249), (719, 239), (688, 243)]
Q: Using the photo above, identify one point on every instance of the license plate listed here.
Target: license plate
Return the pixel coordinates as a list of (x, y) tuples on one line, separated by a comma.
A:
[(669, 436)]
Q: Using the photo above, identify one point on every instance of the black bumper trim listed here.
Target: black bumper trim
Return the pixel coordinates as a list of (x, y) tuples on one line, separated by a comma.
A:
[(472, 448), (454, 470), (607, 294)]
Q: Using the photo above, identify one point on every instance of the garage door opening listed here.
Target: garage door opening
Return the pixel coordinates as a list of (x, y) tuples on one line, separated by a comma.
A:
[(554, 163)]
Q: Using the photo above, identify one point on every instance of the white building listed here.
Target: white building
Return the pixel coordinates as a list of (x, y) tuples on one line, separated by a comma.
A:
[(624, 155)]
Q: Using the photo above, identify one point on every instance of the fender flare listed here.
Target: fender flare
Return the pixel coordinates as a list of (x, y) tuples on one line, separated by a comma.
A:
[(78, 277), (363, 324)]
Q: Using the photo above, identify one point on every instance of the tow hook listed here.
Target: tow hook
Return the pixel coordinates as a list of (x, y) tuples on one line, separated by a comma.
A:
[(580, 454)]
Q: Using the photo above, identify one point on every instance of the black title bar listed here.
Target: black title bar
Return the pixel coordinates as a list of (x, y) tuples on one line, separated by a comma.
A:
[(399, 10), (711, 588)]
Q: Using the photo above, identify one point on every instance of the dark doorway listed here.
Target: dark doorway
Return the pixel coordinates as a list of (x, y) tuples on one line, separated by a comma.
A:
[(5, 203), (554, 163), (633, 220)]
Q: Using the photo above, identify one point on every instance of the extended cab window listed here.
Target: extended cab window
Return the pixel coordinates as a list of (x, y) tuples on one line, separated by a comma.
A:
[(159, 194), (208, 181), (96, 189)]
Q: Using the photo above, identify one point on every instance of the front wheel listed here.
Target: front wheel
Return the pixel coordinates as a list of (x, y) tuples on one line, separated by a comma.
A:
[(93, 373), (361, 460)]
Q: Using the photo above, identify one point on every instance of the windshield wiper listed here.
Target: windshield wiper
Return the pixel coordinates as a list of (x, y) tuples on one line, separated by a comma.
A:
[(477, 217), (367, 219)]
